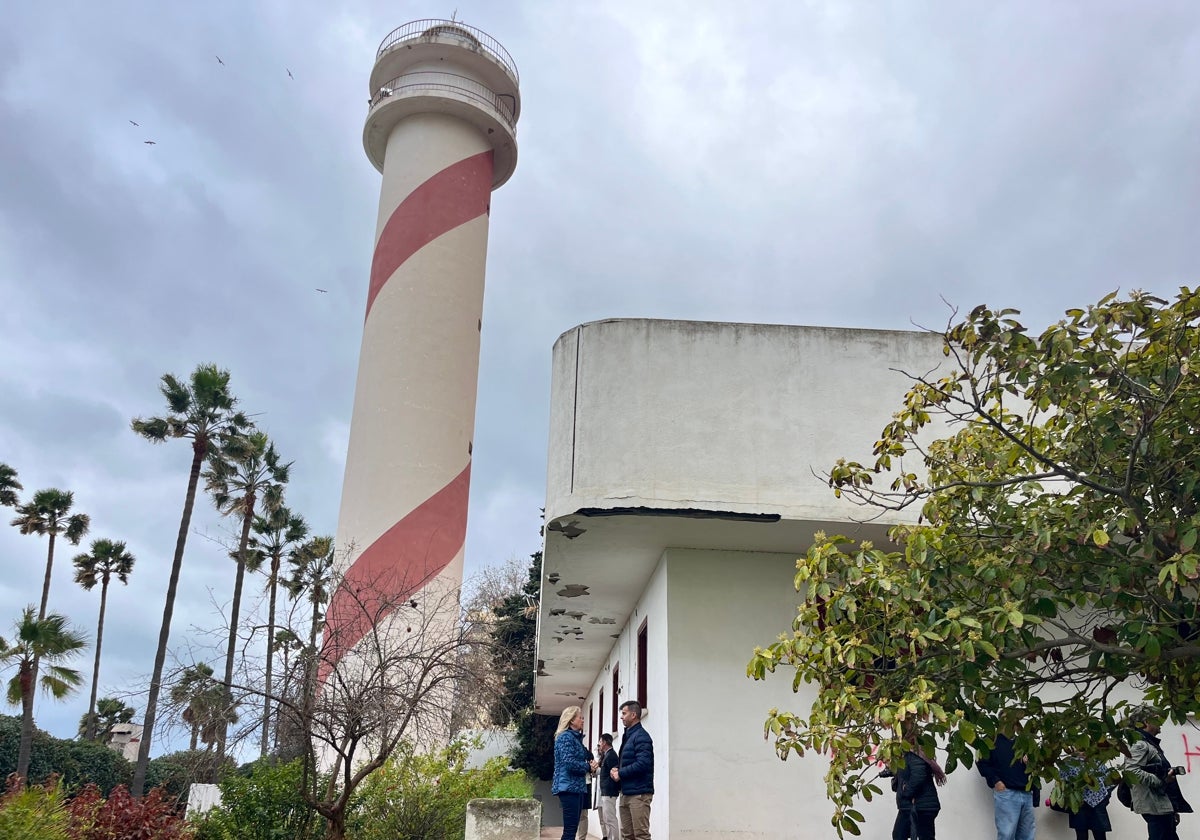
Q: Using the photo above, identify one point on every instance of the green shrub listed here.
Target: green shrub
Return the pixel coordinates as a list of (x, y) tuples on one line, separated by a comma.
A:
[(78, 763), (513, 785), (34, 813), (424, 796), (261, 801)]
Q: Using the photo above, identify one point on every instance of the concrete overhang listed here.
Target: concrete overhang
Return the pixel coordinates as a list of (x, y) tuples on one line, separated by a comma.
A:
[(597, 562)]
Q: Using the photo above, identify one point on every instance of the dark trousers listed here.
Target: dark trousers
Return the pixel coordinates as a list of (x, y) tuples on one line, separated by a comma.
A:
[(914, 825), (1082, 834), (572, 805), (1161, 826)]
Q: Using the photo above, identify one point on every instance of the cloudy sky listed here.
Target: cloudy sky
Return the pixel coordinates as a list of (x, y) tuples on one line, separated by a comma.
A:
[(803, 163)]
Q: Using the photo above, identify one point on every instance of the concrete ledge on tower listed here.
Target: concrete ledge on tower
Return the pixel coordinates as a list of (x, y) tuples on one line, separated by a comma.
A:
[(444, 66)]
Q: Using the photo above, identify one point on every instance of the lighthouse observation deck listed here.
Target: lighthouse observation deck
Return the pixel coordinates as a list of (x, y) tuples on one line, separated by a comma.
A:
[(448, 67)]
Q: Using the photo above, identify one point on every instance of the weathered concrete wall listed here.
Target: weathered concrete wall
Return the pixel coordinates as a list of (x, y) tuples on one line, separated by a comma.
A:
[(503, 819)]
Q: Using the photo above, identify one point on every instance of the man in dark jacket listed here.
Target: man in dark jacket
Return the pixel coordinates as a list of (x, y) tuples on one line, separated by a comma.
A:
[(609, 790), (1014, 794), (635, 772)]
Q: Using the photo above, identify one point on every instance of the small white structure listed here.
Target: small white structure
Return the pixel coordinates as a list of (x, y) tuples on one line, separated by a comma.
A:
[(126, 738), (683, 482)]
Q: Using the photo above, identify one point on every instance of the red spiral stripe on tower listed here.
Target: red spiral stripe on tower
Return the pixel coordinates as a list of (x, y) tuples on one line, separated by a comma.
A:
[(456, 195)]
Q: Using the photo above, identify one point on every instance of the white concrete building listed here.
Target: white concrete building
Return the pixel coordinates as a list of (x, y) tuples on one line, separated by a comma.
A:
[(683, 483)]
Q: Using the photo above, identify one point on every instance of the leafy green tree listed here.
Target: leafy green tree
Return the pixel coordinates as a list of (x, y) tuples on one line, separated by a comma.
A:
[(108, 712), (50, 639), (106, 560), (244, 475), (275, 534), (8, 486), (48, 514), (76, 762), (514, 646), (1053, 546), (203, 411)]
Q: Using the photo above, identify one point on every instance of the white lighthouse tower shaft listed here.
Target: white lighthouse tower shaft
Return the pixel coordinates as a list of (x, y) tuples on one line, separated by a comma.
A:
[(441, 129)]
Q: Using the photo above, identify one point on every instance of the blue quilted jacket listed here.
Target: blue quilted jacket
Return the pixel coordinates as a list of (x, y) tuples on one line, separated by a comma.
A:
[(570, 764)]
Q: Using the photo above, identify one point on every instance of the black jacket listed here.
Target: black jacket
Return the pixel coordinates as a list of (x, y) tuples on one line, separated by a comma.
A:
[(607, 786), (915, 785), (1002, 766), (637, 761)]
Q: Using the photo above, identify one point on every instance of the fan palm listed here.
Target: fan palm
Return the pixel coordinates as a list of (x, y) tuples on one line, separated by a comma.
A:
[(275, 533), (106, 560), (48, 514), (312, 576), (203, 411), (243, 475), (109, 711), (51, 641), (204, 703), (8, 486)]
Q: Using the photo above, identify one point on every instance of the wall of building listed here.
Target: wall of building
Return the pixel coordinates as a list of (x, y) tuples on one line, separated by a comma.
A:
[(734, 417)]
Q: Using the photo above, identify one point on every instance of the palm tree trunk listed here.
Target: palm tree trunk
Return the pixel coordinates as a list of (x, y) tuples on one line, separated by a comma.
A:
[(272, 586), (195, 737), (28, 677), (199, 450), (90, 734), (234, 610), (46, 582)]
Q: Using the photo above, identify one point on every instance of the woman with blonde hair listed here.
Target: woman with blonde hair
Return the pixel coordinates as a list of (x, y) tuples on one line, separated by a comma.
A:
[(571, 767)]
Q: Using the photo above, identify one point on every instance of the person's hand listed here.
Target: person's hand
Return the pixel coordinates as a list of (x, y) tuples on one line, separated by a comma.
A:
[(999, 788), (615, 774)]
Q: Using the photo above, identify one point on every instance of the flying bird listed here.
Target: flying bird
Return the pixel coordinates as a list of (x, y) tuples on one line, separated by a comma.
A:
[(290, 76), (131, 122), (219, 61), (149, 142), (326, 291)]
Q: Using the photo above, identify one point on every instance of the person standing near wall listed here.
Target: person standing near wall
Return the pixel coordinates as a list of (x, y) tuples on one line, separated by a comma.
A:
[(1156, 793), (1014, 793), (916, 783), (609, 789), (571, 767), (635, 773)]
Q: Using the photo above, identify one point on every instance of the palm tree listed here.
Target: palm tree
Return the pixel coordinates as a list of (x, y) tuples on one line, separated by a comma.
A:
[(204, 705), (106, 560), (200, 410), (8, 486), (312, 576), (241, 471), (275, 534), (48, 513), (51, 639), (108, 713)]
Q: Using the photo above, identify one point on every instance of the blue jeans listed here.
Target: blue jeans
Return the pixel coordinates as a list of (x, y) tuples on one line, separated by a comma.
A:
[(572, 805), (1014, 814)]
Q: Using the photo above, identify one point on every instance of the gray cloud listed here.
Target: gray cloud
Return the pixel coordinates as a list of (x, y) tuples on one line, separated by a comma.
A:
[(800, 163)]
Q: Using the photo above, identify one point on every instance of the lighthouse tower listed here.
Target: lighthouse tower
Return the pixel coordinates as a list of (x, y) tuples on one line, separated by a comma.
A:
[(442, 130)]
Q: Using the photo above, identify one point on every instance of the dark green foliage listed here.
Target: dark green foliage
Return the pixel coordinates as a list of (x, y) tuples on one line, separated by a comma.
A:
[(426, 795), (261, 801), (175, 771), (77, 762), (515, 638)]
